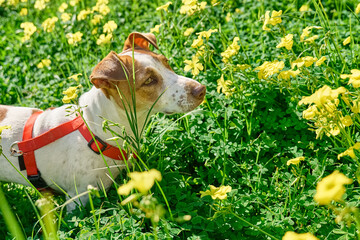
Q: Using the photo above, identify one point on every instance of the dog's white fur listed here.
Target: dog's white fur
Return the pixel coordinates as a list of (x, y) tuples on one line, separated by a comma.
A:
[(69, 162)]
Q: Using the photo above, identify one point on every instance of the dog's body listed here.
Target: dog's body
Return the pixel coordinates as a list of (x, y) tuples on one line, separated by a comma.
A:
[(68, 162)]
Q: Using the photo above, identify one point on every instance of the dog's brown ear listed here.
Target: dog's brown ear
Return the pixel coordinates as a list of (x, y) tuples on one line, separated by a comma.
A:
[(111, 69), (141, 40)]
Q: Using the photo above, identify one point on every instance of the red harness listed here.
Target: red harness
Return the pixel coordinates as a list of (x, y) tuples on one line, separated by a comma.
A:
[(29, 144)]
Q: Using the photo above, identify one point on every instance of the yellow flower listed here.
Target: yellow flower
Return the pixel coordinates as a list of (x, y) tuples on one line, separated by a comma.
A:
[(304, 8), (75, 77), (29, 29), (197, 43), (304, 61), (83, 14), (350, 151), (189, 7), (285, 75), (65, 17), (94, 31), (74, 38), (231, 51), (202, 5), (306, 32), (320, 61), (331, 188), (63, 7), (228, 17), (44, 63), (3, 128), (40, 4), (200, 51), (23, 12), (356, 107), (104, 39), (206, 34), (311, 39), (357, 9), (346, 121), (286, 42), (273, 20), (323, 95), (164, 7), (216, 192), (354, 78), (70, 94), (156, 29), (188, 31), (298, 236), (96, 19), (224, 86), (103, 9), (333, 130), (222, 83), (242, 66), (74, 2), (193, 65), (12, 2), (141, 181), (310, 113), (347, 41), (295, 161), (109, 27), (308, 61), (49, 24), (269, 68), (331, 105)]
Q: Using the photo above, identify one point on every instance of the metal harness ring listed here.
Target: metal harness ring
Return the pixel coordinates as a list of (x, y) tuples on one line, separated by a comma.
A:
[(15, 152)]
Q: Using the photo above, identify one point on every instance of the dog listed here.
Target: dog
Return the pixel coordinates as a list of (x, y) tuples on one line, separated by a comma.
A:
[(68, 164)]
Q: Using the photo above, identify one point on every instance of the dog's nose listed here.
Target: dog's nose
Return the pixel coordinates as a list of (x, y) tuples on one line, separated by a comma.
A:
[(199, 91)]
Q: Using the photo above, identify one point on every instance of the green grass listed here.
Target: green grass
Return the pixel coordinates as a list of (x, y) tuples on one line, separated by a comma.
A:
[(242, 140)]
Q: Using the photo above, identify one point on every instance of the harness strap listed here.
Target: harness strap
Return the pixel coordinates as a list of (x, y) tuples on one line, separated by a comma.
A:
[(28, 158), (29, 144), (106, 149)]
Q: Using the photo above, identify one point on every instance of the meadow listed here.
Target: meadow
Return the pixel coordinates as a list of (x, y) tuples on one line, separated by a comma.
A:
[(271, 153)]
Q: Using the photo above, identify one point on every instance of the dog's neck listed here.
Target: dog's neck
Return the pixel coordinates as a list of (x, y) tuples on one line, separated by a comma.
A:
[(97, 107)]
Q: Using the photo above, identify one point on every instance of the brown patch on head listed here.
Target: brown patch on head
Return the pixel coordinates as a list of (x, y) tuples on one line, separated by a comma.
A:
[(158, 57), (111, 69), (3, 112), (148, 87), (140, 40), (114, 76)]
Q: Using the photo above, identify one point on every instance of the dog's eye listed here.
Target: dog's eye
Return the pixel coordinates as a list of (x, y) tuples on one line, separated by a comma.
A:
[(149, 81)]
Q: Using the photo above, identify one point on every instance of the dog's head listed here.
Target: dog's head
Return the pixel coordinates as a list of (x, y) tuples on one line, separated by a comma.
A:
[(155, 81)]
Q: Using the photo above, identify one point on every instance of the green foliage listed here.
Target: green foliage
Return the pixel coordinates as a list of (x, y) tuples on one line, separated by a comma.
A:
[(243, 140)]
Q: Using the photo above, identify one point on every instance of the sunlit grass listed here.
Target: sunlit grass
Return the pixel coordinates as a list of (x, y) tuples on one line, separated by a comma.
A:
[(281, 114)]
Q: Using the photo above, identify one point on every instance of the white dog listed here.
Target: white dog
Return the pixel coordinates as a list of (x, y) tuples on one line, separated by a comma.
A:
[(67, 161)]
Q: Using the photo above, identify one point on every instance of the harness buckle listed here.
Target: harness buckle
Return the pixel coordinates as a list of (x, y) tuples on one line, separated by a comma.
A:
[(99, 141), (37, 181), (15, 151)]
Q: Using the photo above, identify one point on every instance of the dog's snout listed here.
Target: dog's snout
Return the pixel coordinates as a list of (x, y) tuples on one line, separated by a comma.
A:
[(199, 91)]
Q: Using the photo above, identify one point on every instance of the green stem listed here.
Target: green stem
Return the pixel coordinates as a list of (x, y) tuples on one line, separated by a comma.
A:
[(357, 222), (94, 216), (252, 225), (9, 217)]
